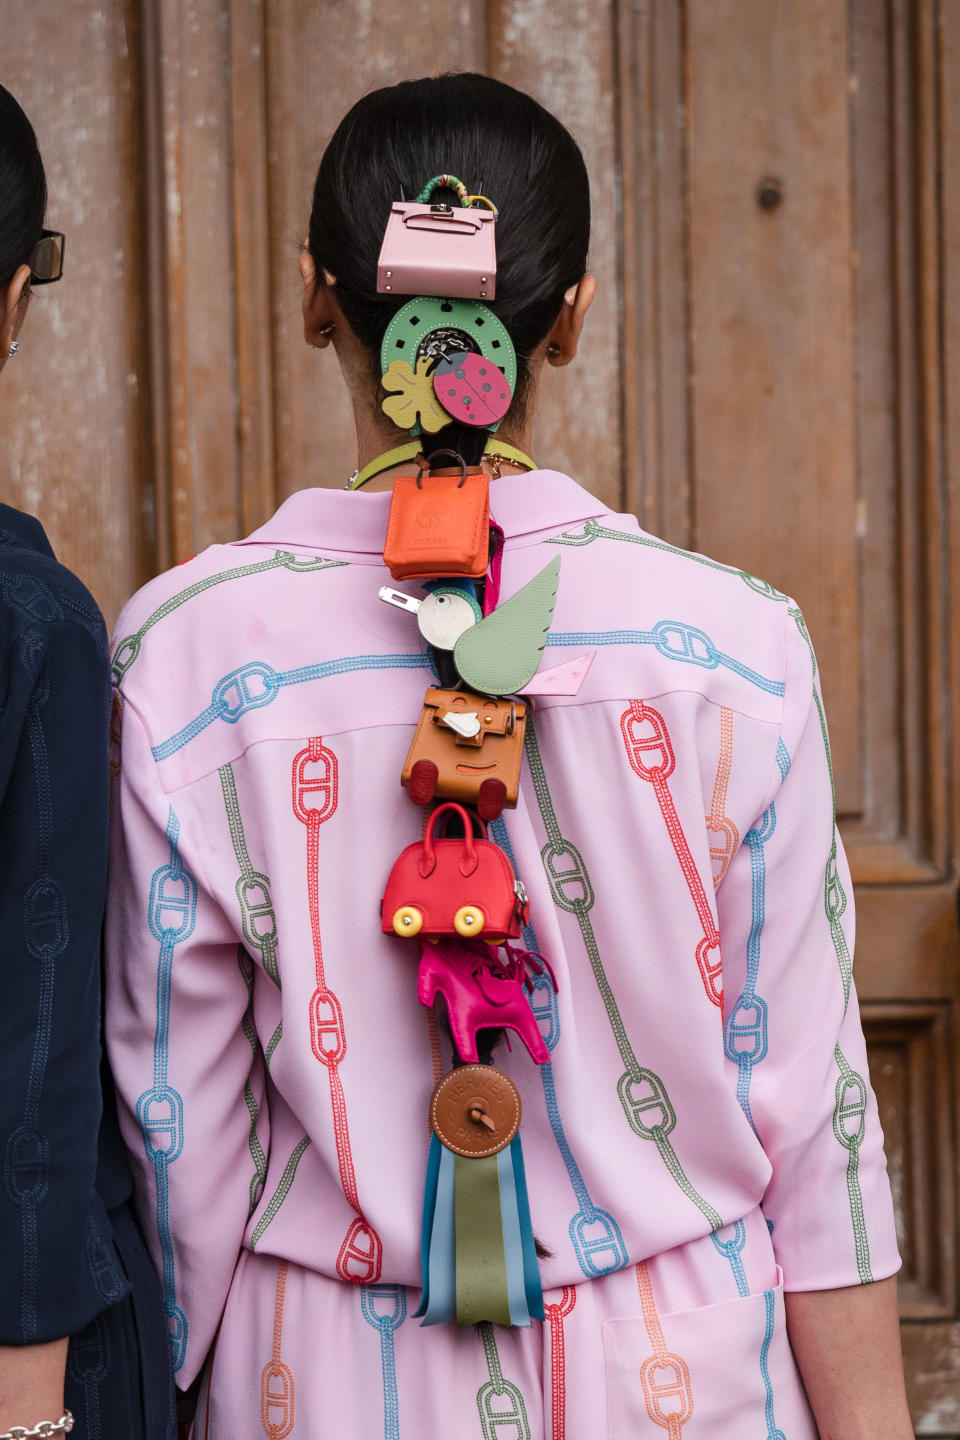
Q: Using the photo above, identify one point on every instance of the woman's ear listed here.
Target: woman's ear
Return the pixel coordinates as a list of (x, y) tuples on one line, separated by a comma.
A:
[(564, 336), (320, 309), (13, 309)]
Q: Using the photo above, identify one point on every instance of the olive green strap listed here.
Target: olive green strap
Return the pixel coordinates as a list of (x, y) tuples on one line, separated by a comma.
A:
[(481, 1261)]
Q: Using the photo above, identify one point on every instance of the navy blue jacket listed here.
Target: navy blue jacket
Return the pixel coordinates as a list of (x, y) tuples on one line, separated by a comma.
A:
[(71, 1261)]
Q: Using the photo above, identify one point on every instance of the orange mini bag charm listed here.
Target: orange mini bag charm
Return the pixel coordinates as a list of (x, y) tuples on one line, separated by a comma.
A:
[(439, 524)]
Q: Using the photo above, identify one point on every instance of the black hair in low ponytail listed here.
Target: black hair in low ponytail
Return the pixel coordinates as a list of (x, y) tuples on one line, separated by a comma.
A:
[(488, 134), (23, 188)]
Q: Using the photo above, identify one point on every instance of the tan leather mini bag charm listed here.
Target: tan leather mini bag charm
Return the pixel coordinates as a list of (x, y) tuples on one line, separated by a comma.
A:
[(467, 748)]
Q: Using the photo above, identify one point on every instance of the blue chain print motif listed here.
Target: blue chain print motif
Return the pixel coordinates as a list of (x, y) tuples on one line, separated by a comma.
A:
[(730, 1247), (256, 684), (674, 640), (594, 1234), (45, 936), (172, 917), (745, 1030), (89, 1363), (387, 1321)]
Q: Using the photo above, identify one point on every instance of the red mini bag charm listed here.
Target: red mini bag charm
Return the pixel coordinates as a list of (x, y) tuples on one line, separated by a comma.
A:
[(464, 886)]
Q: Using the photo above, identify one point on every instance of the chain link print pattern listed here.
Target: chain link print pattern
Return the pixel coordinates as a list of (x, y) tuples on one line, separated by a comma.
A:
[(128, 649), (555, 1314), (277, 1390), (315, 782), (46, 933), (592, 530), (256, 684), (849, 1114), (172, 918), (594, 1234), (257, 915), (503, 1414), (642, 1093), (387, 1321), (719, 823), (650, 752), (665, 1377), (258, 1179), (674, 640)]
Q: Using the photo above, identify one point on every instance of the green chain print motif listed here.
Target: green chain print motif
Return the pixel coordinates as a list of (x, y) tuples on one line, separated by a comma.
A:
[(257, 914), (128, 648), (256, 1149), (280, 1194), (272, 1044), (642, 1093), (503, 1415), (850, 1107), (593, 530)]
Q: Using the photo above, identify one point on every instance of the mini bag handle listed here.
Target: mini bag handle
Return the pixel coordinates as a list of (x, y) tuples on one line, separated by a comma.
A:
[(444, 182), (469, 863)]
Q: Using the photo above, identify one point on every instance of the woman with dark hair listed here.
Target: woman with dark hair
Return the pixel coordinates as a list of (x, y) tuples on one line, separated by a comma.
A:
[(78, 1298), (634, 869)]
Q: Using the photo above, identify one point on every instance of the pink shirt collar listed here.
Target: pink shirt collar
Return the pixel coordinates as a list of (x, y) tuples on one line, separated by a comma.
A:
[(355, 523)]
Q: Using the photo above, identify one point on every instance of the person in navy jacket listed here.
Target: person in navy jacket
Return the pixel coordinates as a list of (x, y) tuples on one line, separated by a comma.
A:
[(81, 1322)]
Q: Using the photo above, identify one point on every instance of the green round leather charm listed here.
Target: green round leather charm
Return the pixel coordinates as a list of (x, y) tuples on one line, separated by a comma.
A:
[(429, 326)]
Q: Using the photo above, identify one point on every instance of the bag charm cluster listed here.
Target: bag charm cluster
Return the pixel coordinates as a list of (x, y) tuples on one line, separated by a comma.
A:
[(454, 894)]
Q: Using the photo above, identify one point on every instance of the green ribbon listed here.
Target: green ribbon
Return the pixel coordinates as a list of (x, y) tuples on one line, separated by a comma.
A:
[(481, 1262)]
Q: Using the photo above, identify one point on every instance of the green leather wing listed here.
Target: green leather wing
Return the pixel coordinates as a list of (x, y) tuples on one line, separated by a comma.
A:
[(501, 654)]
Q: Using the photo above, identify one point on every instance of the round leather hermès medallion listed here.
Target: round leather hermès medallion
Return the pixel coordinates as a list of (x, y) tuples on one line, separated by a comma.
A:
[(475, 1110)]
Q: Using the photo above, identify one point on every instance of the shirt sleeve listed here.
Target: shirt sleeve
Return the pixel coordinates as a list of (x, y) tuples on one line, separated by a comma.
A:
[(57, 1270), (177, 998), (792, 1034)]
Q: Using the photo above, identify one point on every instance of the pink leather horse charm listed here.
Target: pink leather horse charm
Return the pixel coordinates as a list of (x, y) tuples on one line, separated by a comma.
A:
[(480, 994)]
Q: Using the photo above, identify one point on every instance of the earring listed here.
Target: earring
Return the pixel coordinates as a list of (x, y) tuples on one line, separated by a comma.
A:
[(326, 330), (15, 346), (310, 344), (553, 352)]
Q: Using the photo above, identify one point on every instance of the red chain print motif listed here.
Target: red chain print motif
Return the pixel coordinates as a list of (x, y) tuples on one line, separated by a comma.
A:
[(651, 756), (276, 1381), (555, 1314), (718, 822), (315, 794), (665, 1377)]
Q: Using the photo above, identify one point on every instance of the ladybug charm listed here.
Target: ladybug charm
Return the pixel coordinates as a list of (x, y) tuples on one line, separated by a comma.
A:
[(472, 389)]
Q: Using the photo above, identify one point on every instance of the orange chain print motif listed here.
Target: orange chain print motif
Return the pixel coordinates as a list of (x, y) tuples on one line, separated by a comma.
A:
[(718, 822), (651, 756), (315, 793), (555, 1315), (276, 1383), (665, 1377)]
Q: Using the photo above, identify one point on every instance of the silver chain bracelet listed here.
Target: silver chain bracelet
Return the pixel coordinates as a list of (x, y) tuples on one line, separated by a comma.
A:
[(44, 1431)]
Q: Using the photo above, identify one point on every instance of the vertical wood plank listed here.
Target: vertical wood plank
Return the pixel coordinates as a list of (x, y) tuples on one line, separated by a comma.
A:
[(191, 227), (774, 447), (73, 436), (656, 352), (252, 261), (564, 56)]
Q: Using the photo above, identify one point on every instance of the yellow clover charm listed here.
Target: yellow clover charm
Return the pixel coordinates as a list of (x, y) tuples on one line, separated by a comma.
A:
[(416, 397)]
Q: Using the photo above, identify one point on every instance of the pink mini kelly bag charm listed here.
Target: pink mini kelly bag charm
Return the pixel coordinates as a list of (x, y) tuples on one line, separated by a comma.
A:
[(439, 249)]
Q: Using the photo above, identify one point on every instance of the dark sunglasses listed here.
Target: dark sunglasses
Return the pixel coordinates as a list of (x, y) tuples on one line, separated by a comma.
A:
[(46, 258)]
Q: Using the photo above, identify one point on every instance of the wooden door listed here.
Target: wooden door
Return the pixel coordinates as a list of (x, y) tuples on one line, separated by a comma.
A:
[(771, 373)]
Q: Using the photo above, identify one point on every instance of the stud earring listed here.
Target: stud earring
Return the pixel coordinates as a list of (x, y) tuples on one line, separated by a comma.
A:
[(326, 330), (15, 346), (553, 352)]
